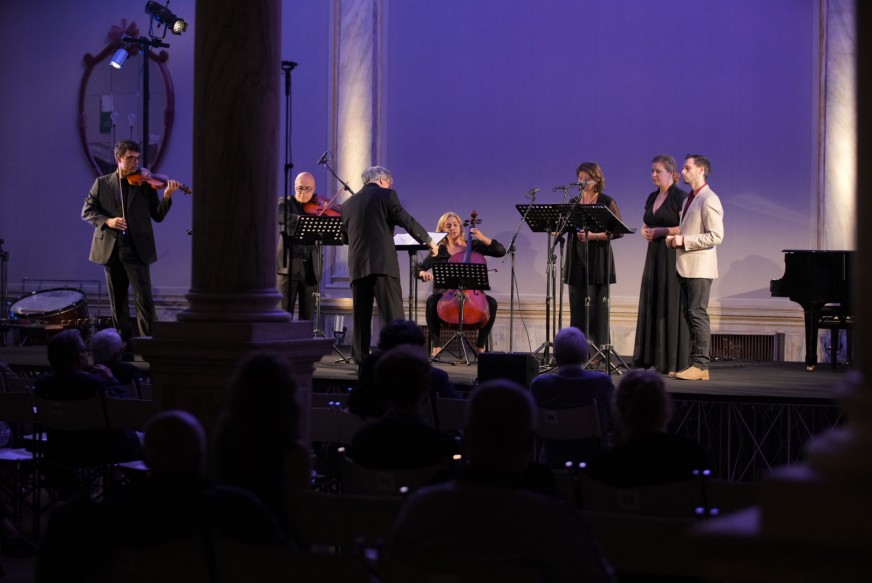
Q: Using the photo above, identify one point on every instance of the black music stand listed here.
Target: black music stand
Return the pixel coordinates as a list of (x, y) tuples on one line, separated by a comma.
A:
[(319, 231), (550, 219), (460, 277), (598, 218), (404, 242)]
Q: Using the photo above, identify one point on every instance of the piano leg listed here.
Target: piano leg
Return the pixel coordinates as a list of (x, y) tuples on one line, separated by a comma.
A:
[(811, 338)]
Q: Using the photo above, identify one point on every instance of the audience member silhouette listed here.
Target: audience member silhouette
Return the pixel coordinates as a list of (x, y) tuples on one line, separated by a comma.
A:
[(257, 441), (644, 452), (570, 385), (175, 503), (107, 349), (485, 521), (401, 439), (73, 379), (368, 399)]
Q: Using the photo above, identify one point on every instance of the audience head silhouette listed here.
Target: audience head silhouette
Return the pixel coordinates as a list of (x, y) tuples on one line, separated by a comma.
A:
[(500, 426), (263, 394), (400, 332), (570, 346), (175, 446), (67, 351), (403, 373), (642, 404), (106, 346)]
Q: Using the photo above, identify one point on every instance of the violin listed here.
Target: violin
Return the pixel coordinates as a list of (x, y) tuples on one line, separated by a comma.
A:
[(474, 307), (320, 209), (156, 181)]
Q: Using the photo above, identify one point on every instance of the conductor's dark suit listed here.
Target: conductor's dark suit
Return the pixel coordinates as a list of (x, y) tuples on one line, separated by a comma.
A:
[(126, 258), (368, 219)]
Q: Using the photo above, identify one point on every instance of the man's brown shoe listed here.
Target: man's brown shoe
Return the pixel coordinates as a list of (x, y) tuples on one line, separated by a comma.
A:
[(693, 373)]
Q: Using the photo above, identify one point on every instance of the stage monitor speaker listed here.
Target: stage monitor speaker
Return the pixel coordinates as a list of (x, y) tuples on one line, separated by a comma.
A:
[(520, 367)]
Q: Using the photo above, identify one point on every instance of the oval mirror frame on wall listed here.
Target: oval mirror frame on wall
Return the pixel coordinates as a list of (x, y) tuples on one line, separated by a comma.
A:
[(93, 108)]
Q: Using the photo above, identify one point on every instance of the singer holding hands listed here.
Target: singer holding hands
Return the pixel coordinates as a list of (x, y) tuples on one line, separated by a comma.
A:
[(591, 266), (455, 242), (662, 337), (123, 243)]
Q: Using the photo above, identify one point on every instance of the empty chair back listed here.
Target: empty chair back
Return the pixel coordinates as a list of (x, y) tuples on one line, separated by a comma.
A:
[(581, 422), (684, 499), (357, 479), (77, 415), (128, 413)]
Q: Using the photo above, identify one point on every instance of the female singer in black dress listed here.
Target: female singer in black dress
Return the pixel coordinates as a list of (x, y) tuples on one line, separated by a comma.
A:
[(453, 243), (596, 267), (662, 337)]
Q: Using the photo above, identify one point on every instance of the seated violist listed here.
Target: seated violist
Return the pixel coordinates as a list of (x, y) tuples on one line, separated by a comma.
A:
[(453, 244)]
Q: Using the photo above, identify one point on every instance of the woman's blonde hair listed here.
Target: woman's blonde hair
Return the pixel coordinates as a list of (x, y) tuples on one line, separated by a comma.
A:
[(441, 228)]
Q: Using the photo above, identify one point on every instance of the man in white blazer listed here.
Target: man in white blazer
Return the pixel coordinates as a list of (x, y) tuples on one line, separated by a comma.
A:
[(699, 233)]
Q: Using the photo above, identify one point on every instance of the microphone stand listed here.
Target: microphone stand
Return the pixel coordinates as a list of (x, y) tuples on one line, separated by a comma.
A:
[(512, 250), (344, 184), (287, 67)]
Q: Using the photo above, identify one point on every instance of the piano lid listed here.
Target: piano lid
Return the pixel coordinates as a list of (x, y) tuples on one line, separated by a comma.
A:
[(814, 277)]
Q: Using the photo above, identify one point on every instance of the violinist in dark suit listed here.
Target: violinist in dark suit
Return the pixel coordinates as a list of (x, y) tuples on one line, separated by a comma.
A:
[(453, 244), (368, 221), (123, 243), (299, 272)]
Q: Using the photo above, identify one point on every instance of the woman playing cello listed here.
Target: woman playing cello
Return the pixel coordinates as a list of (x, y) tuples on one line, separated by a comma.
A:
[(453, 244)]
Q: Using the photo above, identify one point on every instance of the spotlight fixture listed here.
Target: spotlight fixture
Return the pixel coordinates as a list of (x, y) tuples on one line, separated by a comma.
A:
[(164, 16), (118, 58)]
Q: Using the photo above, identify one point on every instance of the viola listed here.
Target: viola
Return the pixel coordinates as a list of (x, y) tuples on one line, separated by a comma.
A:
[(316, 207), (476, 311), (156, 181)]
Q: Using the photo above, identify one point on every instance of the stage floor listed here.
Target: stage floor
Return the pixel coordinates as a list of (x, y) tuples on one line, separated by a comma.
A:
[(734, 379), (730, 380)]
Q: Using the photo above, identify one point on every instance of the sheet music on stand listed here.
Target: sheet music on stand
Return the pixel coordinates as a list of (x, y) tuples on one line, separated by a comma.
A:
[(311, 228), (598, 218), (544, 218), (466, 276)]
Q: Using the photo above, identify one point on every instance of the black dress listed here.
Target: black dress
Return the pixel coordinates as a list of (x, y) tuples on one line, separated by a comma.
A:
[(662, 337), (600, 267)]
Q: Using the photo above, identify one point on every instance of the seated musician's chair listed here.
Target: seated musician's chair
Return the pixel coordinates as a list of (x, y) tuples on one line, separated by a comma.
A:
[(835, 319)]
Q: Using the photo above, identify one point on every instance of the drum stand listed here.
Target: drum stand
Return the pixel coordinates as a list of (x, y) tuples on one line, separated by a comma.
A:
[(461, 277)]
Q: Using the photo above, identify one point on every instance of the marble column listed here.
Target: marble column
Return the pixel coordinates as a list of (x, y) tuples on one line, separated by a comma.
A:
[(233, 302), (838, 125), (814, 520)]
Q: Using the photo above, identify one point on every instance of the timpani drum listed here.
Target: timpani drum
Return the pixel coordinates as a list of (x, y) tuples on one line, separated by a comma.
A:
[(50, 311)]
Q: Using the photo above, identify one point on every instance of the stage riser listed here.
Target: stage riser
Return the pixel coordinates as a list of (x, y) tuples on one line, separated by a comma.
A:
[(744, 440)]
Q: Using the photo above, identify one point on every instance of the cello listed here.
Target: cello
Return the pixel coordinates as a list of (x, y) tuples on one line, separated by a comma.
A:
[(473, 307)]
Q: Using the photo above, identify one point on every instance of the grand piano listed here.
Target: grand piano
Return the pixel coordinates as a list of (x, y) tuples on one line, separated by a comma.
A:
[(819, 281)]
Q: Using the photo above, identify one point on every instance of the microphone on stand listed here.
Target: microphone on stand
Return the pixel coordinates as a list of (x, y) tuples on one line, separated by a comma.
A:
[(531, 194), (323, 159)]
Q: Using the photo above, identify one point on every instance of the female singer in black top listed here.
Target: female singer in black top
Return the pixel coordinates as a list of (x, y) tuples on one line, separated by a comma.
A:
[(455, 242), (596, 267)]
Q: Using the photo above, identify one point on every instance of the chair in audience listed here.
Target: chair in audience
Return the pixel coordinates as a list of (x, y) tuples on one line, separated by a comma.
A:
[(67, 466), (643, 529), (573, 434), (128, 413), (17, 462), (347, 521), (451, 414), (357, 479), (323, 425), (208, 559)]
